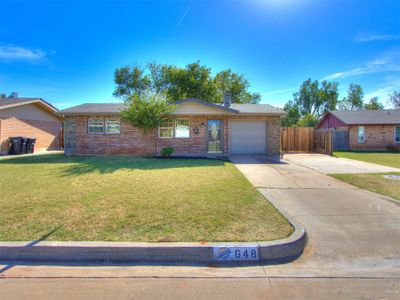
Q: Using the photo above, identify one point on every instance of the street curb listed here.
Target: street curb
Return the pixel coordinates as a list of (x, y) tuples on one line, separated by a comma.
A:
[(269, 252)]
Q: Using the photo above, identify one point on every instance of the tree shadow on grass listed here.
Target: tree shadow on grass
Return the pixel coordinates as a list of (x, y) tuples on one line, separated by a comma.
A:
[(77, 165)]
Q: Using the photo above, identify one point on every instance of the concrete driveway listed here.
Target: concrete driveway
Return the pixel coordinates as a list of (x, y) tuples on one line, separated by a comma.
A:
[(352, 232), (335, 165)]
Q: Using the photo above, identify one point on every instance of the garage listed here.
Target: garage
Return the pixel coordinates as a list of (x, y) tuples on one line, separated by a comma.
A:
[(249, 137)]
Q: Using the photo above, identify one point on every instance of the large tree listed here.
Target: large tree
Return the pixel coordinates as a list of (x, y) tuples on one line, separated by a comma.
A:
[(373, 104), (175, 83), (354, 99), (395, 99), (311, 101)]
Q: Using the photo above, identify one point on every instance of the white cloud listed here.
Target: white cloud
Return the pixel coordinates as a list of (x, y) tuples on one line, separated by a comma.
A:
[(390, 84), (10, 52), (276, 92), (367, 37), (389, 61)]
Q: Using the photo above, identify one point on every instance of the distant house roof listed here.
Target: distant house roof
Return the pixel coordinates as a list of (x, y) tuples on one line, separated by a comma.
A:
[(13, 102), (367, 117), (115, 108)]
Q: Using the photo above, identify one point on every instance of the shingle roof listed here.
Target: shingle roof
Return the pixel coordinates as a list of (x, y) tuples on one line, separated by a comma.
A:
[(257, 109), (368, 117), (8, 102), (94, 108), (115, 108)]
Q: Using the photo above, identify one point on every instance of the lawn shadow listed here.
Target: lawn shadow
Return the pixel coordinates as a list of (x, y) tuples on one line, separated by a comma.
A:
[(9, 266), (77, 165)]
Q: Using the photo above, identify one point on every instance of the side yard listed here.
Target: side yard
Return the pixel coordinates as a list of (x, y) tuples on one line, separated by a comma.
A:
[(123, 198), (375, 182)]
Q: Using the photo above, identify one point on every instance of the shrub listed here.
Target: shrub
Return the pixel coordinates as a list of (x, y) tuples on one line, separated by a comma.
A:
[(392, 147), (167, 151)]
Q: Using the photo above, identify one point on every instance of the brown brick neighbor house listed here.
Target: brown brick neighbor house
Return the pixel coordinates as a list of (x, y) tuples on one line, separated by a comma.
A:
[(195, 128), (29, 117), (366, 129)]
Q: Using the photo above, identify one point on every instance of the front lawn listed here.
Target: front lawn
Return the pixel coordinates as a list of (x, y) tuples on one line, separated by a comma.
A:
[(373, 182), (124, 198), (390, 159)]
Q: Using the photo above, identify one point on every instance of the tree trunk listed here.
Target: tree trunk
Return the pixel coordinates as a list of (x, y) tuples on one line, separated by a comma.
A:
[(149, 144)]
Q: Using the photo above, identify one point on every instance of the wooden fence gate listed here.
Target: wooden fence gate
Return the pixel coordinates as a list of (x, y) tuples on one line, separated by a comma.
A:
[(306, 139), (340, 140)]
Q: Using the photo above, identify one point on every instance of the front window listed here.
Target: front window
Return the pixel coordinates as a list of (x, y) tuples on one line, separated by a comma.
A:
[(96, 126), (361, 137), (166, 129), (113, 126), (397, 134), (182, 128)]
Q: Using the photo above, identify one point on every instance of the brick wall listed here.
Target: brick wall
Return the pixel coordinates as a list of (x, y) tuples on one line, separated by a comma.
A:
[(131, 140), (47, 133), (376, 137)]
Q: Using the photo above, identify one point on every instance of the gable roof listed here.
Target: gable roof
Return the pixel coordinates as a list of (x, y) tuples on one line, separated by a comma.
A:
[(115, 108), (367, 117), (94, 108), (13, 102)]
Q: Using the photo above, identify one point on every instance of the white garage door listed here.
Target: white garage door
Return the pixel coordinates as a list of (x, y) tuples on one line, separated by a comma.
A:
[(248, 137)]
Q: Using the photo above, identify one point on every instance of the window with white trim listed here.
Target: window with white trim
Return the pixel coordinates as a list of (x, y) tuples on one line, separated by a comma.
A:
[(182, 128), (397, 134), (96, 126), (113, 126), (361, 135), (166, 129)]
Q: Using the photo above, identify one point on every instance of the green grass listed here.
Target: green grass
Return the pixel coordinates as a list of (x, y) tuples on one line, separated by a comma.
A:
[(373, 182), (124, 198), (390, 159)]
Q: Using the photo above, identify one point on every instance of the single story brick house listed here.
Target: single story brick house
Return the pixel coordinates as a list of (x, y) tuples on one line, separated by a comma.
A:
[(30, 117), (194, 128), (367, 129)]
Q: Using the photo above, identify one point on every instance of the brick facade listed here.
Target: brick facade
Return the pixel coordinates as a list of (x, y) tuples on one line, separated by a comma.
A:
[(377, 137), (47, 133), (131, 140)]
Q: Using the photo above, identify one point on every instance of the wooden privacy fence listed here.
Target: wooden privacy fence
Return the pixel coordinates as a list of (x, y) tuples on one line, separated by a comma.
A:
[(306, 139)]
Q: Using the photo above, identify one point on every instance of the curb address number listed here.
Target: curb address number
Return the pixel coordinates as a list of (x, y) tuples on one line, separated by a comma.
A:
[(235, 253)]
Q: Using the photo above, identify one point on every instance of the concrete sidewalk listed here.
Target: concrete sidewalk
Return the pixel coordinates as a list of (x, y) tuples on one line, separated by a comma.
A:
[(351, 232), (217, 288), (335, 165), (353, 252)]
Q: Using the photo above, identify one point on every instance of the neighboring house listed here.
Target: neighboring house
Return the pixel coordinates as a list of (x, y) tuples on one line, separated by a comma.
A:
[(195, 128), (29, 117), (367, 129)]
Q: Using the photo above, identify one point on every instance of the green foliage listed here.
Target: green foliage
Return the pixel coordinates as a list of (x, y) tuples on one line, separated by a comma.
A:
[(237, 84), (11, 95), (167, 151), (373, 104), (307, 120), (131, 81), (146, 112), (354, 99), (175, 83), (293, 114), (312, 99), (395, 99)]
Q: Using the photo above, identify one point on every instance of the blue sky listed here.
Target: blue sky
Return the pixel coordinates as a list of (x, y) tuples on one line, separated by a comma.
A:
[(66, 51)]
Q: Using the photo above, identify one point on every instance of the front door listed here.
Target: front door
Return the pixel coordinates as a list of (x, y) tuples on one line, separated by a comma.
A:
[(214, 135)]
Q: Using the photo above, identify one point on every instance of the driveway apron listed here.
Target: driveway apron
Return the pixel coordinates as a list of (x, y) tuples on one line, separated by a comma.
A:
[(351, 232)]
